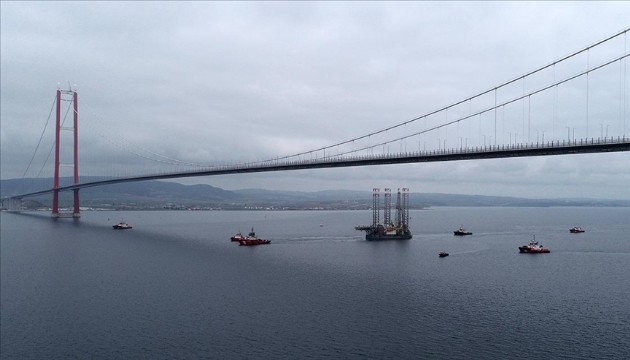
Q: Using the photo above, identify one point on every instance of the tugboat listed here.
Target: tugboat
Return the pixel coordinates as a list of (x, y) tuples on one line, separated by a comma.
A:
[(533, 248), (576, 230), (461, 231), (443, 254), (250, 240), (122, 226)]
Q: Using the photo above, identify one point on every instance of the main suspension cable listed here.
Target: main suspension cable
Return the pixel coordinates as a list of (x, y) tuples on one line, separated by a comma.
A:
[(40, 140)]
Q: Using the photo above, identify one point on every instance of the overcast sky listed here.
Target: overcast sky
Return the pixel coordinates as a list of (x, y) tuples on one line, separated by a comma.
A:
[(221, 81)]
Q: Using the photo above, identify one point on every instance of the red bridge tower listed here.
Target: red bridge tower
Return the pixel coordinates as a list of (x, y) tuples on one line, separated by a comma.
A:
[(66, 95)]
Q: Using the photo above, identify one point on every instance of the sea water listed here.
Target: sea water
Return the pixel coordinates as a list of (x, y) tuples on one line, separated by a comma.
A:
[(175, 287)]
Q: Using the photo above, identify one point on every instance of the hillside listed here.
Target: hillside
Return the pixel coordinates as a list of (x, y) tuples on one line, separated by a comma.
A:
[(169, 195)]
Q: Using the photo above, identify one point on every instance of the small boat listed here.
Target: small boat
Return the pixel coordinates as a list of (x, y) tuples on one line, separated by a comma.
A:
[(576, 230), (443, 254), (249, 240), (121, 226), (461, 231), (533, 248)]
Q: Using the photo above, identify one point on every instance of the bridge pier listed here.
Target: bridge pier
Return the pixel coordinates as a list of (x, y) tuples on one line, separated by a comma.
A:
[(76, 213), (11, 204), (55, 203)]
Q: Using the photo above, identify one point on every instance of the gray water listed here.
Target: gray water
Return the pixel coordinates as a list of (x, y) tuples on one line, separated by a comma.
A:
[(175, 287)]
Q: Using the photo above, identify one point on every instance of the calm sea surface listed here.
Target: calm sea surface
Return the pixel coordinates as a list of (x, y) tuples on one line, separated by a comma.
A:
[(175, 287)]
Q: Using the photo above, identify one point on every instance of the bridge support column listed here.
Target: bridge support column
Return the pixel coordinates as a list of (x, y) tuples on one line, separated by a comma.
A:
[(75, 100), (75, 129), (55, 203)]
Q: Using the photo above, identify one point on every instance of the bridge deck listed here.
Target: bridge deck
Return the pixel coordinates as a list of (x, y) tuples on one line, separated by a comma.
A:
[(490, 152)]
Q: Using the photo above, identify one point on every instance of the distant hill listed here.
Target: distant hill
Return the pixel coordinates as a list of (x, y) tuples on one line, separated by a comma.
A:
[(169, 195)]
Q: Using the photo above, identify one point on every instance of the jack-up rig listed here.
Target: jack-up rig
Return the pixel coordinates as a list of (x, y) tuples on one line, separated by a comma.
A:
[(388, 230)]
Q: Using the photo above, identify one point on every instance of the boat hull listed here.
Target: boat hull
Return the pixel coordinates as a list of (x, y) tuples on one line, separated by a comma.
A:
[(381, 237), (253, 242), (380, 233), (527, 250)]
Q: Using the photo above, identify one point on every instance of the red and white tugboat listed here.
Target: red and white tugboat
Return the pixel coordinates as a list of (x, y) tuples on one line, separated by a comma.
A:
[(533, 248), (250, 240)]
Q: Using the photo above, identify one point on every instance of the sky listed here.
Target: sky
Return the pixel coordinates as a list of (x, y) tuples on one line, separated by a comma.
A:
[(223, 82)]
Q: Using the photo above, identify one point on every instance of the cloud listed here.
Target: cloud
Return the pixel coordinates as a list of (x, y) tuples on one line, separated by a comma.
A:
[(214, 82)]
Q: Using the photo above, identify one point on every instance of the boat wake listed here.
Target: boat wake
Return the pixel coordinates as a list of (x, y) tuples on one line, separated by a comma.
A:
[(312, 239), (468, 251)]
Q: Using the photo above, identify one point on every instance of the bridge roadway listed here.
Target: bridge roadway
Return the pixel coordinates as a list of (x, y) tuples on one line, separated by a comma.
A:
[(488, 152)]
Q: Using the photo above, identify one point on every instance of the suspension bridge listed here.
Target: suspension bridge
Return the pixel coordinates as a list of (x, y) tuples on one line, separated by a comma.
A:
[(574, 105)]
